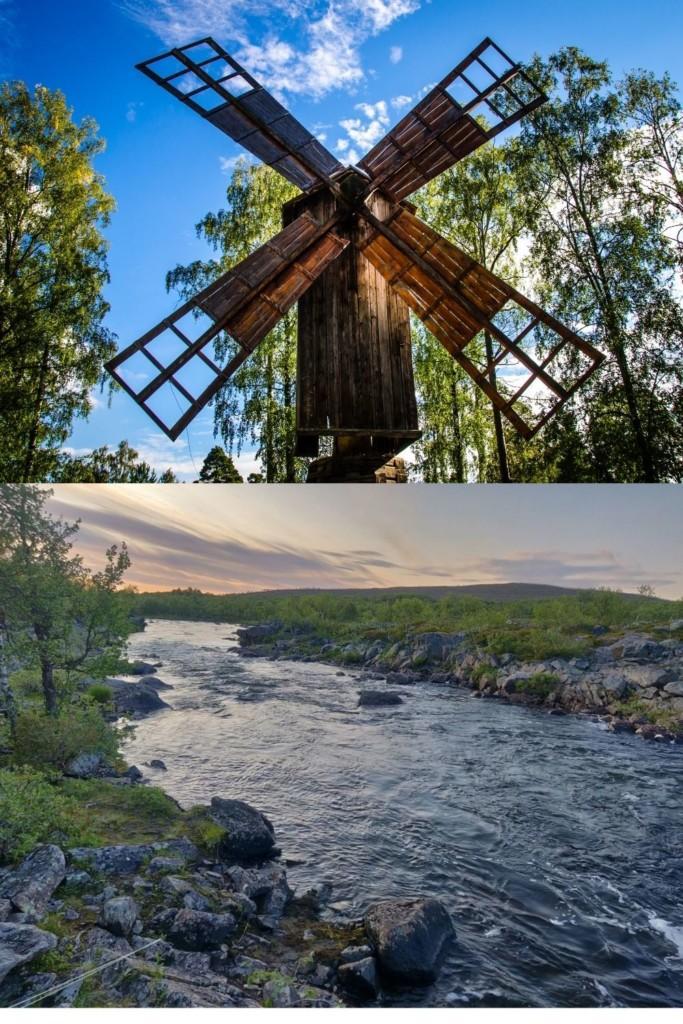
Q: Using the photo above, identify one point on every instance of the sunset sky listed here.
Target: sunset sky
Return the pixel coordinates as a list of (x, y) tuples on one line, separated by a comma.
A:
[(236, 538), (348, 69)]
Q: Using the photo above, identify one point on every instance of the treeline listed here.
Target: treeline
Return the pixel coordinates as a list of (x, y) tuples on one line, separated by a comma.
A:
[(337, 616)]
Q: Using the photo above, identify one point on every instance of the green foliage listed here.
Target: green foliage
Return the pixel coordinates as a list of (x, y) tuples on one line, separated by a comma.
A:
[(218, 468), (102, 466), (100, 693), (665, 718), (541, 685), (51, 742), (52, 340), (207, 834), (33, 811), (541, 628), (487, 672), (141, 814)]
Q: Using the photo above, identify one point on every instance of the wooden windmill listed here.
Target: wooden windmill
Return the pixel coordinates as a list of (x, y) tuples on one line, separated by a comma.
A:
[(355, 257)]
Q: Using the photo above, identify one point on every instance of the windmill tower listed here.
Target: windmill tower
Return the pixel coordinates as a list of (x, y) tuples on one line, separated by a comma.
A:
[(357, 260)]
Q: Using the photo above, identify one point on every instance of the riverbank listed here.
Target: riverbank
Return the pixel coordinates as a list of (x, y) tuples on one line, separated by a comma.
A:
[(632, 680), (199, 915)]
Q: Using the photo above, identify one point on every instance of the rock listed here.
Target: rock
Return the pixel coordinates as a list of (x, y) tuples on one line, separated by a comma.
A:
[(199, 930), (77, 879), (175, 886), (599, 630), (21, 943), (119, 916), (636, 647), (100, 945), (266, 886), (279, 994), (353, 953), (133, 773), (157, 763), (127, 860), (195, 901), (378, 698), (142, 668), (674, 689), (317, 896), (257, 634), (160, 865), (248, 836), (359, 978), (675, 625), (646, 676), (157, 683), (5, 909), (408, 937), (88, 766), (29, 887), (135, 699)]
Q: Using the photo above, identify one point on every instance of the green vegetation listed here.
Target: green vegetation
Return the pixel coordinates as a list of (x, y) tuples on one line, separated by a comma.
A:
[(218, 468), (50, 742), (100, 693), (32, 811), (487, 672), (541, 685), (664, 718), (530, 628)]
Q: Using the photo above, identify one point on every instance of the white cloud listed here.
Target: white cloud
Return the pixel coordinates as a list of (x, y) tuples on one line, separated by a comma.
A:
[(364, 131), (396, 54), (132, 112), (399, 102), (326, 35), (229, 163)]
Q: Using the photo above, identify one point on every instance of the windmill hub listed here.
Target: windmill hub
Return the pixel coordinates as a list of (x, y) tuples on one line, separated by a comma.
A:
[(357, 260)]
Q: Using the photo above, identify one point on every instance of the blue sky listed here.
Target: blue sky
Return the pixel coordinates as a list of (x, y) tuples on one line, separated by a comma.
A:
[(259, 538), (346, 69)]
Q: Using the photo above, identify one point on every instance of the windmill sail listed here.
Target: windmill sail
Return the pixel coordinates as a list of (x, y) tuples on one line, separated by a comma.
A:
[(444, 127), (457, 299), (209, 81), (197, 349)]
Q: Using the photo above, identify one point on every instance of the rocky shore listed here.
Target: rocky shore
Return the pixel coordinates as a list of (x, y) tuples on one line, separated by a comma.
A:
[(633, 681), (182, 923)]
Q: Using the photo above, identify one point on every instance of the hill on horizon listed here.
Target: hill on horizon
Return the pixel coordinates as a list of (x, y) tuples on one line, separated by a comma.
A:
[(497, 592)]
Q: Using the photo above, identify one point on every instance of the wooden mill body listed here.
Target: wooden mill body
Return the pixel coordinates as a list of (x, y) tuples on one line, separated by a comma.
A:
[(354, 358)]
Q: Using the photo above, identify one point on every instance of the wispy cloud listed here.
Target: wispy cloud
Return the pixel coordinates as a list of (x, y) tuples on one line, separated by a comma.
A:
[(364, 131), (396, 54), (292, 46)]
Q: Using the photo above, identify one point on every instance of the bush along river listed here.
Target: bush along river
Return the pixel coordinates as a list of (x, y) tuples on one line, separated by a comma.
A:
[(436, 849)]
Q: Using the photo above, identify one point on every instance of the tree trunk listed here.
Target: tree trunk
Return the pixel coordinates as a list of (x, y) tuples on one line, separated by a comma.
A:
[(8, 707), (49, 688), (32, 442), (497, 418), (458, 454), (644, 449)]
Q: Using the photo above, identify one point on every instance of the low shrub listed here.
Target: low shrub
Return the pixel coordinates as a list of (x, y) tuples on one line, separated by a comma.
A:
[(100, 693), (32, 811), (540, 685), (47, 742)]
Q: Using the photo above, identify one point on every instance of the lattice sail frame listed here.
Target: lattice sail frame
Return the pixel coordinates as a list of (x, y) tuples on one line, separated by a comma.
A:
[(454, 296)]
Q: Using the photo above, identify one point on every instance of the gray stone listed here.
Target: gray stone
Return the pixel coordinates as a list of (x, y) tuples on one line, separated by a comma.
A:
[(133, 773), (159, 764), (195, 901), (127, 860), (674, 689), (646, 676), (142, 668), (353, 953), (266, 886), (636, 647), (279, 994), (5, 909), (21, 943), (175, 886), (408, 937), (198, 930), (119, 916), (88, 766), (378, 698), (359, 978), (29, 887), (248, 836), (135, 699)]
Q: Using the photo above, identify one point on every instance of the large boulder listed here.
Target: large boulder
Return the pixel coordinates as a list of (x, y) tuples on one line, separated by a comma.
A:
[(248, 834), (409, 937), (645, 676), (21, 943), (266, 886), (30, 886), (88, 766), (674, 689), (430, 647), (637, 647), (378, 698), (142, 668), (258, 633), (200, 930), (135, 699), (119, 916)]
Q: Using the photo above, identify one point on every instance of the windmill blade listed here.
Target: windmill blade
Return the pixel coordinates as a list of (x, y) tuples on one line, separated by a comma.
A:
[(457, 299), (211, 82), (175, 369), (444, 127)]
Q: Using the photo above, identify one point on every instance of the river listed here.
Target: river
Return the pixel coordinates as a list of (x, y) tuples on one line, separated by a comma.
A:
[(557, 846)]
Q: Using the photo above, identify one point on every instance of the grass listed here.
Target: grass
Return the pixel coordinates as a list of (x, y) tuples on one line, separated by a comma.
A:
[(664, 718), (541, 685)]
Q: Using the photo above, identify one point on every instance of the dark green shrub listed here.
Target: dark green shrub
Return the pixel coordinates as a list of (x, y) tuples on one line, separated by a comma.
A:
[(540, 685), (100, 693), (42, 741)]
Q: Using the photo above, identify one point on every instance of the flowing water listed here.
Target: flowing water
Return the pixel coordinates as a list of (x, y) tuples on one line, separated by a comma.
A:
[(557, 847)]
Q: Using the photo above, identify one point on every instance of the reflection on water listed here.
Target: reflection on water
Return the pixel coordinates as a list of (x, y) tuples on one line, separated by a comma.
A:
[(557, 847)]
